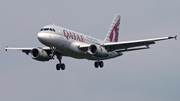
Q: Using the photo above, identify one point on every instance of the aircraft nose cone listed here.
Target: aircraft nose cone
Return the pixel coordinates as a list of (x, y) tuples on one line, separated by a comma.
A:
[(39, 36), (45, 38), (42, 37)]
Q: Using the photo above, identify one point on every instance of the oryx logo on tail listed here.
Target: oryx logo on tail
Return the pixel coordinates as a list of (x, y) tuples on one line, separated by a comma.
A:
[(115, 33)]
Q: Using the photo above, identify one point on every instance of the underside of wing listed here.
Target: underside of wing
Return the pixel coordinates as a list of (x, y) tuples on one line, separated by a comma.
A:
[(133, 45), (37, 53), (26, 49)]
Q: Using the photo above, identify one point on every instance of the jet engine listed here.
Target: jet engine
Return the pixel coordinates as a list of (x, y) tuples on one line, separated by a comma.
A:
[(39, 54), (97, 51)]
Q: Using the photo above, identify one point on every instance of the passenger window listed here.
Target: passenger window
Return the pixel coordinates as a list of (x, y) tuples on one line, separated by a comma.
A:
[(41, 29)]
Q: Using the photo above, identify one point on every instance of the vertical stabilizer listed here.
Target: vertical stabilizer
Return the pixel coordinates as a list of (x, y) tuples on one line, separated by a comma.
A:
[(113, 33)]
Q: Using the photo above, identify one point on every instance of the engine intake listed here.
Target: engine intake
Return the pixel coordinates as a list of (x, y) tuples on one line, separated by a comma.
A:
[(39, 54), (97, 51)]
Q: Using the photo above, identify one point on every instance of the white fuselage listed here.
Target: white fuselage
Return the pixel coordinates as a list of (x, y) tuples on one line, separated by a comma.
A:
[(67, 42)]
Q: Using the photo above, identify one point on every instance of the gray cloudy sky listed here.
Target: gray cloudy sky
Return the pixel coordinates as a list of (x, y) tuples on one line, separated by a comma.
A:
[(147, 75)]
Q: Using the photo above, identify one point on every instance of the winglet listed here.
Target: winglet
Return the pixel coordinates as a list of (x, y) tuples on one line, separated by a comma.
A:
[(6, 48), (175, 37)]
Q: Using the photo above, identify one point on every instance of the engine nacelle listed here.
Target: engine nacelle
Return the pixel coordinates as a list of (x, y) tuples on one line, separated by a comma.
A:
[(97, 51), (39, 54)]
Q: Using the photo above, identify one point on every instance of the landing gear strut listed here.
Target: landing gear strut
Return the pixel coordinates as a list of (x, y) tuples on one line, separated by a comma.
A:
[(98, 63), (60, 65), (53, 52)]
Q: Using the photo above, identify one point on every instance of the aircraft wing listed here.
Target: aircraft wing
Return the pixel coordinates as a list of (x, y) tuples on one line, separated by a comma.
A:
[(26, 50), (129, 45), (133, 45)]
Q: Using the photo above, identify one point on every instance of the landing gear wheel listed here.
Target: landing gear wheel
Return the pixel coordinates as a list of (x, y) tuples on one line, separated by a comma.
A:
[(96, 64), (63, 66), (101, 64), (58, 67)]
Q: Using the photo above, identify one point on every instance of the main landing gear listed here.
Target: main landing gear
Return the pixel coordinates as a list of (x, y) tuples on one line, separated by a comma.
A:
[(59, 57), (99, 63), (60, 65)]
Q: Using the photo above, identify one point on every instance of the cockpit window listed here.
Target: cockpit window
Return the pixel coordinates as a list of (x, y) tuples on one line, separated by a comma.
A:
[(48, 29)]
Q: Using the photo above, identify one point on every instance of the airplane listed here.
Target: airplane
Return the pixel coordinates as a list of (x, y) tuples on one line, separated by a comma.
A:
[(61, 42)]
